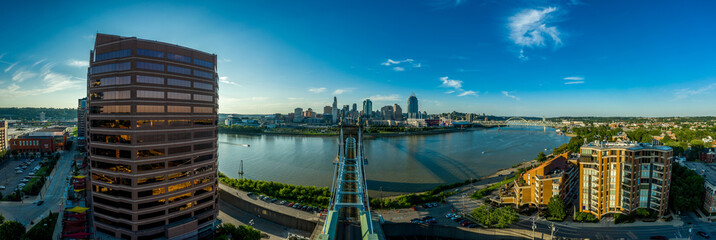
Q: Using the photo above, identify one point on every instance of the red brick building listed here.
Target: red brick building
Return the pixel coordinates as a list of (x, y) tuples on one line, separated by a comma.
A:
[(48, 140)]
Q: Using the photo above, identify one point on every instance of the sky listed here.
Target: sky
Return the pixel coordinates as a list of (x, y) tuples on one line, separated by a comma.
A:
[(508, 58)]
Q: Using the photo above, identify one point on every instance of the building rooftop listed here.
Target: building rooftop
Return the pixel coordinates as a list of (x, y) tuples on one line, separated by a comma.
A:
[(706, 170), (52, 129), (624, 145)]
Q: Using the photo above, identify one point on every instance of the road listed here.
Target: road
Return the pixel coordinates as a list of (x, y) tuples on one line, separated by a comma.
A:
[(26, 211), (231, 214)]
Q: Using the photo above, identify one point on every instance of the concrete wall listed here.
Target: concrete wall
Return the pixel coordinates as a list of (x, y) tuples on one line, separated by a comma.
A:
[(444, 232), (268, 214)]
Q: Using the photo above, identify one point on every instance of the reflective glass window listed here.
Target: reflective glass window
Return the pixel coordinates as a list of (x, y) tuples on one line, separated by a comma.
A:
[(150, 108), (178, 187), (179, 123), (125, 139), (179, 197), (203, 169), (152, 192), (180, 208), (179, 109), (203, 74), (111, 95), (150, 124), (177, 57), (148, 180), (177, 150), (203, 158), (150, 66), (150, 94), (205, 134), (152, 138), (178, 175), (112, 67), (150, 167), (179, 163), (112, 192), (203, 146), (116, 204), (150, 53), (111, 180), (204, 122), (146, 153), (179, 96), (115, 167), (204, 86), (111, 109), (203, 63), (113, 55), (178, 82), (111, 124), (203, 110), (179, 136), (114, 153), (152, 204), (149, 79), (179, 70), (111, 81), (205, 98)]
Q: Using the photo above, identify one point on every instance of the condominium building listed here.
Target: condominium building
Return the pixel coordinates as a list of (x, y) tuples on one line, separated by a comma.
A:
[(620, 177), (81, 123), (708, 171), (556, 177), (151, 131)]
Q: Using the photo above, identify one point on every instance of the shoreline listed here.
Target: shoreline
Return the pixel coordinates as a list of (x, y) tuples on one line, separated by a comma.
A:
[(368, 135)]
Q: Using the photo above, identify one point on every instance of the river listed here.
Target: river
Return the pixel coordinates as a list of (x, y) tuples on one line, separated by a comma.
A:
[(395, 164)]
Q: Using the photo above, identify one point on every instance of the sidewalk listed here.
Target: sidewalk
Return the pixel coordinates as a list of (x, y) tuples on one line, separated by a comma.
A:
[(609, 222)]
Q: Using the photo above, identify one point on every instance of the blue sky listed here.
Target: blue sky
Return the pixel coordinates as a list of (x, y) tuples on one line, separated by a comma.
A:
[(530, 58)]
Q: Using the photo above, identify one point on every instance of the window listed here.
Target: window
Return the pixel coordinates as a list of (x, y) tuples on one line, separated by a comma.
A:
[(150, 123), (111, 180), (113, 55), (200, 170), (177, 82), (150, 138), (179, 109), (180, 96), (125, 139), (180, 186), (150, 167), (179, 136), (153, 192), (149, 94), (203, 200), (178, 150), (179, 70), (206, 134), (177, 57), (110, 109), (150, 66), (116, 167), (179, 163), (149, 108), (150, 53), (204, 190), (203, 74), (111, 203), (199, 147), (178, 175), (111, 124), (147, 180), (201, 180), (114, 153), (151, 204), (203, 158), (205, 98), (111, 81), (151, 215), (203, 63), (110, 95), (203, 110), (204, 86), (204, 122), (180, 208), (112, 67), (111, 192), (150, 80), (179, 218), (179, 197), (146, 153), (179, 123)]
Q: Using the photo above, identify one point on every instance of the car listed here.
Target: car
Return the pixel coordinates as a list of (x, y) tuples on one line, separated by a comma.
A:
[(21, 185), (426, 206), (273, 200), (249, 193), (472, 225), (449, 215), (282, 202), (296, 206), (291, 204), (25, 180), (40, 202), (465, 223), (658, 238), (304, 208), (703, 234), (17, 168), (18, 171)]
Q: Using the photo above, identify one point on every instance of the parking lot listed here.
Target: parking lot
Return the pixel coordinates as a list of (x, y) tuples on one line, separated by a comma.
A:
[(439, 212), (14, 172)]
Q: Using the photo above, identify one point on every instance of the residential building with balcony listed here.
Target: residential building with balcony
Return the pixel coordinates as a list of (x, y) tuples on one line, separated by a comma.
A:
[(620, 177), (556, 177)]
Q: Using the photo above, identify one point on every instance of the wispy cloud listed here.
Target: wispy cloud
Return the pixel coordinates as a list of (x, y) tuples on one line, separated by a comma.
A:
[(400, 65), (77, 63), (392, 97), (342, 90), (398, 69), (226, 80), (688, 92), (507, 94), (467, 70), (467, 93), (451, 83), (574, 78), (46, 81), (21, 75), (574, 82), (39, 61), (10, 67), (317, 90), (89, 37), (395, 62), (2, 55), (450, 92), (294, 98), (533, 28)]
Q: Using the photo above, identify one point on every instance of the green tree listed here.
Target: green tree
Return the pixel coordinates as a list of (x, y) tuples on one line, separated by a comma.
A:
[(482, 214), (541, 157), (11, 230), (555, 208), (2, 218), (504, 216), (687, 189), (242, 232)]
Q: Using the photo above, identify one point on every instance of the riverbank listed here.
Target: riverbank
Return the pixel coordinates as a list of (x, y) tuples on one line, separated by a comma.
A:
[(366, 135)]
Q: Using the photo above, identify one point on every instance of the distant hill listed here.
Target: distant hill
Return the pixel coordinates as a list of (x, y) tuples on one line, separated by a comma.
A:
[(33, 114)]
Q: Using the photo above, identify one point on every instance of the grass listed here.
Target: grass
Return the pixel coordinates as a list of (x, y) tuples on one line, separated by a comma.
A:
[(40, 231), (486, 191)]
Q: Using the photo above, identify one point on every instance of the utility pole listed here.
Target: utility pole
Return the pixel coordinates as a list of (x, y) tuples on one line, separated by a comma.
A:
[(534, 226), (551, 235)]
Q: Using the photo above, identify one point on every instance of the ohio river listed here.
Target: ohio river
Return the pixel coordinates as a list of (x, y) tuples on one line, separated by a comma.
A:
[(395, 164)]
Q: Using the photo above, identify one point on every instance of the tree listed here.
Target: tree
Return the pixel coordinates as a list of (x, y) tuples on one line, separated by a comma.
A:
[(11, 230), (541, 157), (482, 214), (687, 189), (504, 216), (2, 218), (555, 208), (242, 232)]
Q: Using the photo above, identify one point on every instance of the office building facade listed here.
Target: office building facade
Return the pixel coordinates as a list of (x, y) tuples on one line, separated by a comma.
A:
[(367, 108), (151, 131), (397, 113), (620, 177), (413, 111)]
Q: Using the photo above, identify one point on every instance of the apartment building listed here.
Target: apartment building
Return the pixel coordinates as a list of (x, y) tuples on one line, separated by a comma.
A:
[(151, 135), (620, 177), (556, 177)]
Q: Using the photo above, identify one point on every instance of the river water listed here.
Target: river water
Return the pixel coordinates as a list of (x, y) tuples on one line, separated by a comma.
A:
[(395, 164)]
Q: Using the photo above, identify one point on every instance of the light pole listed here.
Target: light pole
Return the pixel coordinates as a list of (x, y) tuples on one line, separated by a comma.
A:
[(534, 226), (551, 236)]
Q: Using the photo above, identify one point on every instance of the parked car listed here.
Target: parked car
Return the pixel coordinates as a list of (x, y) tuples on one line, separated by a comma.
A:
[(40, 202), (273, 200), (18, 171), (249, 193), (472, 225), (703, 234), (282, 202), (25, 180), (21, 185), (291, 204)]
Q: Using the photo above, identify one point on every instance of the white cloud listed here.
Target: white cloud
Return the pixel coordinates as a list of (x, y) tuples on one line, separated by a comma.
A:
[(401, 65), (225, 79), (91, 36), (317, 90), (77, 63), (574, 82), (342, 90), (687, 92), (2, 55), (451, 83), (394, 62), (574, 78), (399, 69), (294, 98), (21, 75), (450, 92), (38, 62), (522, 55), (532, 28), (392, 97), (507, 94), (10, 67), (48, 81), (467, 93)]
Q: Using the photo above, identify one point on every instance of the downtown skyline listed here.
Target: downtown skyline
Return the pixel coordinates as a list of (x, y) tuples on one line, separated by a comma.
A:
[(545, 58)]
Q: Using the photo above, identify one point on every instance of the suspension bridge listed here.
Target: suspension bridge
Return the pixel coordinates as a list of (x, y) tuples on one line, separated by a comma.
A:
[(518, 121)]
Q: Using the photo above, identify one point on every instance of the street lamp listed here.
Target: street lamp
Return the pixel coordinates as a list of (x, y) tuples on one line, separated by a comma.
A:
[(534, 226), (551, 236)]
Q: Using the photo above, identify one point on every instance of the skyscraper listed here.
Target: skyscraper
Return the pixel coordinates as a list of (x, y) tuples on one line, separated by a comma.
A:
[(151, 129), (413, 111), (81, 123), (367, 108), (397, 113), (335, 109), (3, 135), (387, 112), (327, 110), (298, 115)]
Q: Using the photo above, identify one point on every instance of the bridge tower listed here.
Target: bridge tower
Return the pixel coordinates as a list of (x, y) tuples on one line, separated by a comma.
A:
[(349, 193)]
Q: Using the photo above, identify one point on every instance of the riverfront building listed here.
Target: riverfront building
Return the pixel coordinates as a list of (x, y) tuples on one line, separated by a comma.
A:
[(46, 140), (620, 177), (151, 131), (708, 171), (556, 177)]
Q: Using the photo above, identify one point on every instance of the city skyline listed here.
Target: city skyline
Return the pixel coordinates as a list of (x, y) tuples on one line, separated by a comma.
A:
[(557, 58)]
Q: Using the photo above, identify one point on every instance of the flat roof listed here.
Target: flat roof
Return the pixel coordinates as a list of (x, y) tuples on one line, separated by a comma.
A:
[(706, 170), (52, 129), (625, 145)]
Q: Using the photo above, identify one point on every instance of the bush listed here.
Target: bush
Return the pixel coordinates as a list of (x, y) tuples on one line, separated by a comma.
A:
[(40, 231), (585, 217), (556, 209), (306, 195), (11, 230), (497, 217), (243, 232)]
